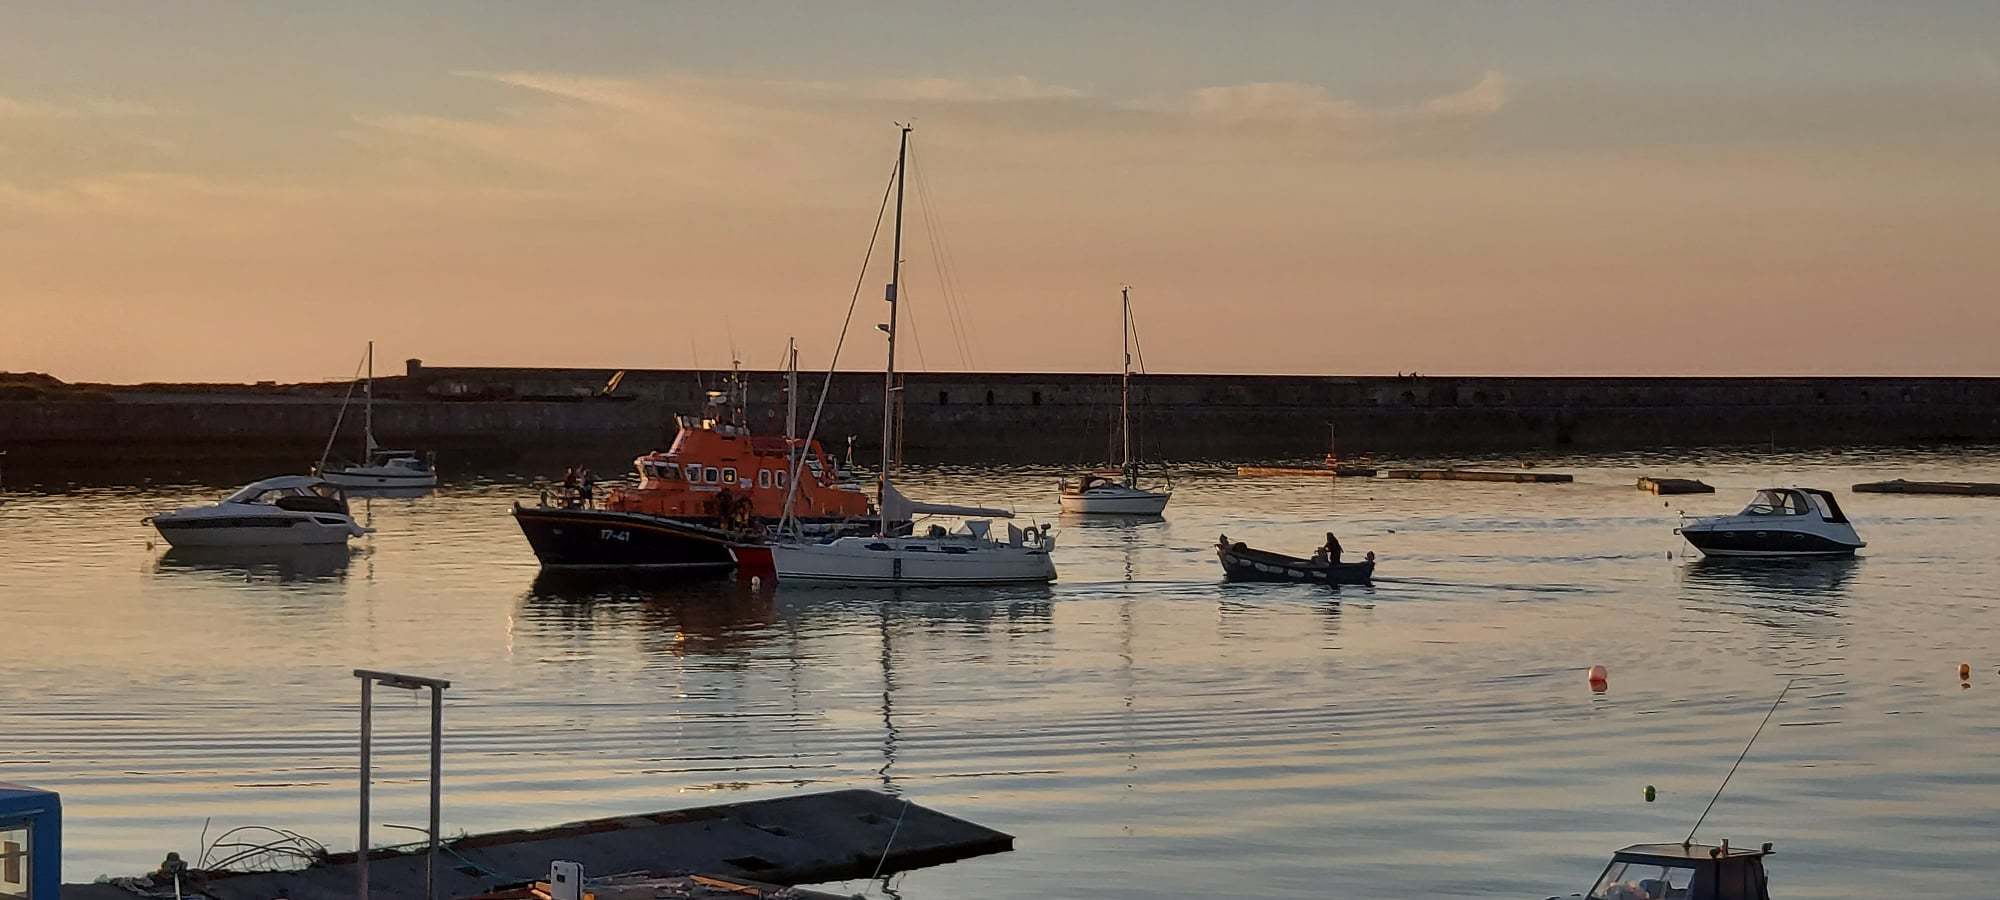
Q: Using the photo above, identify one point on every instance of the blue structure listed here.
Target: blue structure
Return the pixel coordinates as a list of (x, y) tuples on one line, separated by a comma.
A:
[(30, 843)]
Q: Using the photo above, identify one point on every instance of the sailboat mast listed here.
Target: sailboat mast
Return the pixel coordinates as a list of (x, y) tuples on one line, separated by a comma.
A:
[(368, 409), (1125, 385), (791, 391), (889, 370)]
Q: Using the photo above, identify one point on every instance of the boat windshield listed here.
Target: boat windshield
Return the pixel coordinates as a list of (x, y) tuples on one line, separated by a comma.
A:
[(1777, 503), (1644, 881)]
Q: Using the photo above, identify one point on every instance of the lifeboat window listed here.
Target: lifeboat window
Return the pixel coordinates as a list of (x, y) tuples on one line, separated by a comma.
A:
[(764, 478), (728, 476), (712, 475), (670, 471)]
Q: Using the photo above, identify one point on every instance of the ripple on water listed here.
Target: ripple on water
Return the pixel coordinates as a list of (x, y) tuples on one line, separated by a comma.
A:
[(1145, 730)]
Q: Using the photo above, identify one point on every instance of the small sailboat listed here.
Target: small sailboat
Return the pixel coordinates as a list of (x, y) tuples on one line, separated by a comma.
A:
[(1117, 493), (967, 555), (377, 467)]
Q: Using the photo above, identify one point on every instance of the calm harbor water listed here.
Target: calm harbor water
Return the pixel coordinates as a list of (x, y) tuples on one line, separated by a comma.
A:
[(1142, 728)]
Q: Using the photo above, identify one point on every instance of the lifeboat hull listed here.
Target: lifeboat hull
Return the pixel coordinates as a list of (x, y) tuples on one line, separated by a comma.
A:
[(592, 538)]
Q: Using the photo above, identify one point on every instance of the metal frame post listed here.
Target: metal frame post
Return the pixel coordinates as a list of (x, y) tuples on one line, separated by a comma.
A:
[(409, 683), (367, 734)]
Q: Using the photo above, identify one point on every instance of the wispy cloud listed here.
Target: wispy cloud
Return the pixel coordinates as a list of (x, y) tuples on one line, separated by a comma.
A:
[(1293, 103), (16, 108)]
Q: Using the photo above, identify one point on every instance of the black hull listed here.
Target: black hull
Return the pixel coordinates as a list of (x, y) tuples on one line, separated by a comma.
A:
[(1766, 543), (590, 538), (1240, 563)]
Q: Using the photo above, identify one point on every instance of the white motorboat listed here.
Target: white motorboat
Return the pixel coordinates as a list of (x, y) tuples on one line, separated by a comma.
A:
[(1779, 522), (286, 511), (969, 554), (377, 468), (1117, 493)]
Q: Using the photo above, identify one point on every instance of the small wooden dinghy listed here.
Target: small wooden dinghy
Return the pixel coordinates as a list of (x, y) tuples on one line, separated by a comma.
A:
[(1244, 563)]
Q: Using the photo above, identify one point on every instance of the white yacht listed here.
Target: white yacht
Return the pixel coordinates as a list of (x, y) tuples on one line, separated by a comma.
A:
[(377, 468), (1779, 522), (1117, 493), (968, 554), (286, 511)]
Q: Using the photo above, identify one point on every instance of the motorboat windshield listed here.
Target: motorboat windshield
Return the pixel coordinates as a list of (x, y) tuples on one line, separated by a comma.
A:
[(273, 490), (1635, 880), (1778, 502)]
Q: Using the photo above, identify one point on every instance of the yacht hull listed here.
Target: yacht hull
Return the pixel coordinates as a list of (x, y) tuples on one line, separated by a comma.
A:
[(1766, 542), (1121, 502), (252, 530), (380, 477), (910, 562)]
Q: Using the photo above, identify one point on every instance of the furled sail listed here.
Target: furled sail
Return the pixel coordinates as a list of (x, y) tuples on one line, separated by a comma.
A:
[(899, 507)]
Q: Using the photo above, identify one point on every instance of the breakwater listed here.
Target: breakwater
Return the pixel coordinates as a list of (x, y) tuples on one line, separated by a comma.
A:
[(1044, 418)]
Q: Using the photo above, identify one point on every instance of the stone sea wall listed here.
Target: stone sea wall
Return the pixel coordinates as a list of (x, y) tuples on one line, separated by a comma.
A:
[(1045, 418)]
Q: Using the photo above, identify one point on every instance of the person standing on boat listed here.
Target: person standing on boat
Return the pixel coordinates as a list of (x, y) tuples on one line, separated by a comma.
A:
[(1332, 548), (589, 483), (568, 494)]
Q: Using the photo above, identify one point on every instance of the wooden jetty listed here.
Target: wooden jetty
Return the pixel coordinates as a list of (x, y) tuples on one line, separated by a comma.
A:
[(1473, 475), (1305, 471), (1959, 488), (1661, 485), (829, 836)]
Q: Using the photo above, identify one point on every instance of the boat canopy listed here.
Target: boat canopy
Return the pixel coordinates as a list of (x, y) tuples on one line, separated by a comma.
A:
[(898, 507), (1778, 502)]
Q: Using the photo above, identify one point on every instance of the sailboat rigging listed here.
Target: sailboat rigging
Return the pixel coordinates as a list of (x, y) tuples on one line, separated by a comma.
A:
[(376, 467), (966, 555), (1118, 493)]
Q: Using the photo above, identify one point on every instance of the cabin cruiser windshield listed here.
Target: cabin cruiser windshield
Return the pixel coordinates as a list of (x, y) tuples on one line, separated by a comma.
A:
[(1777, 503), (1644, 881)]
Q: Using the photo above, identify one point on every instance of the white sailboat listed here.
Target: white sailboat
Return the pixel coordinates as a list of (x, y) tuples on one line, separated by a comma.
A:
[(377, 467), (968, 554), (1117, 493)]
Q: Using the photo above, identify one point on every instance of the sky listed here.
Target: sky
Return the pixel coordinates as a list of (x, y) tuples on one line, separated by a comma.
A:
[(238, 192)]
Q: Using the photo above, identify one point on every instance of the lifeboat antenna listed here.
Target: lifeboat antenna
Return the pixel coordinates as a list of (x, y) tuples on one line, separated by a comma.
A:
[(1739, 761)]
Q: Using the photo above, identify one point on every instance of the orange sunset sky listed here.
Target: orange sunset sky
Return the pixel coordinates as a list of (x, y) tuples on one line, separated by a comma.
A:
[(241, 192)]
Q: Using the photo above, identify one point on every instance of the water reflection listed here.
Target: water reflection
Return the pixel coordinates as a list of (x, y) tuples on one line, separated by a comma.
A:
[(710, 617), (282, 564), (1811, 579)]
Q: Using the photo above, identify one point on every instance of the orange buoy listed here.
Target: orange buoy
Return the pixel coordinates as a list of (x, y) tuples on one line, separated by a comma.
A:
[(1964, 671), (1600, 678)]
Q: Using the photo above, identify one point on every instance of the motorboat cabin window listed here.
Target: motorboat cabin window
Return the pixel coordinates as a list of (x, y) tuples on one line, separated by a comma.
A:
[(729, 477), (1644, 881), (1778, 503)]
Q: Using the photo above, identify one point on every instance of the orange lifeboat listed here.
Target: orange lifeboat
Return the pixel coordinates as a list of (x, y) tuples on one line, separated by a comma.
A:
[(720, 472)]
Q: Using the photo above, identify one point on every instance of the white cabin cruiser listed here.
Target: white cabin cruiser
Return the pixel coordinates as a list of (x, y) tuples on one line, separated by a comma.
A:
[(289, 510), (1779, 522)]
